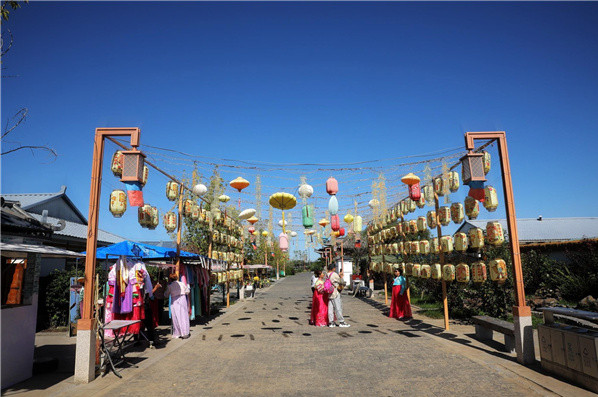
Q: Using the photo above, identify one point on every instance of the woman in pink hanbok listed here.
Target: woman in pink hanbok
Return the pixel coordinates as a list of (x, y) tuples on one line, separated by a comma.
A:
[(178, 291), (319, 304)]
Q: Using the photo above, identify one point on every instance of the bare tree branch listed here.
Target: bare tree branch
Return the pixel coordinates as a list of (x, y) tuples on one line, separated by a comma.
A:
[(21, 115), (5, 49), (52, 151)]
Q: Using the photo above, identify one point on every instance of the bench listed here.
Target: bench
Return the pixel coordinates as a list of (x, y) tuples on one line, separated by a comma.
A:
[(485, 325)]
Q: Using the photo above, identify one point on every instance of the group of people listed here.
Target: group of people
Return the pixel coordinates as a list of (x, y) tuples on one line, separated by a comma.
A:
[(326, 302)]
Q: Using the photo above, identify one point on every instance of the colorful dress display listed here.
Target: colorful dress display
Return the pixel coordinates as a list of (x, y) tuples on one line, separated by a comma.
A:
[(178, 291), (319, 305), (399, 307)]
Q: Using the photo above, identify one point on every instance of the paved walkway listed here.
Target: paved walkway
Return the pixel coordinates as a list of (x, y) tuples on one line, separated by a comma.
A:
[(264, 346)]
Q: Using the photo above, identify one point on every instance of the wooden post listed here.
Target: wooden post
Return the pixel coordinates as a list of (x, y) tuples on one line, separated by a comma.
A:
[(385, 279), (178, 233), (442, 263)]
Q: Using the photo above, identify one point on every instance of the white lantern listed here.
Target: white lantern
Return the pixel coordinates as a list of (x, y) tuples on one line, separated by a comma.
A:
[(305, 190), (200, 189), (118, 203)]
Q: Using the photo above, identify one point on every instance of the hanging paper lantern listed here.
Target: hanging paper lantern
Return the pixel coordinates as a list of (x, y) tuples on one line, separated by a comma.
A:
[(421, 203), (413, 226), (472, 207), (498, 270), (414, 247), (118, 203), (460, 242), (436, 271), (462, 273), (444, 215), (170, 221), (335, 223), (305, 190), (424, 247), (486, 162), (448, 272), (116, 166), (478, 272), (490, 199), (412, 205), (373, 203), (188, 206), (323, 222), (341, 232), (457, 213), (307, 213), (416, 270), (438, 186), (425, 271), (446, 244), (412, 181), (476, 190), (431, 218), (195, 212), (408, 269), (348, 218), (429, 194), (247, 214), (223, 198), (144, 175), (333, 205), (453, 181), (434, 245), (253, 220), (422, 224), (494, 233), (265, 233), (239, 184), (200, 189), (476, 237), (293, 234), (251, 229), (331, 186), (283, 242), (154, 218), (172, 190)]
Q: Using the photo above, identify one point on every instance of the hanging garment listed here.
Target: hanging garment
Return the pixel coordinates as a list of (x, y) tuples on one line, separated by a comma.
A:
[(177, 292)]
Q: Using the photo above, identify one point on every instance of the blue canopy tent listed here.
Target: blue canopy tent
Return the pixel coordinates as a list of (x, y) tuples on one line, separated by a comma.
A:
[(139, 250)]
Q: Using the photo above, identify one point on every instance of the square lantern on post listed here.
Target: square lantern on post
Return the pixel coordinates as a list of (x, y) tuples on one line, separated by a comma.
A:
[(133, 162), (473, 167)]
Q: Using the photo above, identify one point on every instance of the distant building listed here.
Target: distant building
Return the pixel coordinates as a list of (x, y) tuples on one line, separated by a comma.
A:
[(553, 236)]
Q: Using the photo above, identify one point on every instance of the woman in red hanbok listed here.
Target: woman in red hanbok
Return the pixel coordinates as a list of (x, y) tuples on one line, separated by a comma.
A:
[(319, 304), (399, 306)]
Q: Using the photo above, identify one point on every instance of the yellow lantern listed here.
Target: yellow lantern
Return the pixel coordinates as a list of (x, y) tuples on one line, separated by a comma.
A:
[(426, 271), (457, 213), (223, 198), (195, 212), (486, 162), (403, 207), (490, 199), (436, 271), (478, 272), (429, 194), (408, 269), (323, 222), (170, 222), (265, 233), (405, 247), (412, 205), (453, 181), (424, 247), (395, 248), (405, 226), (421, 203), (422, 224), (414, 247), (188, 206), (438, 186), (444, 215), (446, 244), (144, 216), (412, 226), (448, 272), (431, 218), (498, 270), (116, 166), (239, 184), (154, 218), (494, 233), (434, 246), (118, 203), (476, 237), (472, 207), (462, 273), (348, 218), (416, 270), (172, 190), (460, 242), (145, 175)]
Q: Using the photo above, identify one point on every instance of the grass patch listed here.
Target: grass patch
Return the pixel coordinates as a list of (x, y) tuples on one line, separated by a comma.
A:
[(536, 319)]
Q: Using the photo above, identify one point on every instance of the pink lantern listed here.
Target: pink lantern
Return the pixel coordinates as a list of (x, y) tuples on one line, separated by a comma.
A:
[(283, 242), (335, 223), (331, 186), (415, 192)]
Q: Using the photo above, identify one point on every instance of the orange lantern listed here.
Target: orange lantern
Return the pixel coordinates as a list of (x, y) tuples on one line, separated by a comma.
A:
[(118, 203), (253, 220), (239, 183)]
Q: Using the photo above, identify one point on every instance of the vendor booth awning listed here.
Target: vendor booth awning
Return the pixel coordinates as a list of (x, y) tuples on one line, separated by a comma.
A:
[(139, 250), (46, 251), (257, 267)]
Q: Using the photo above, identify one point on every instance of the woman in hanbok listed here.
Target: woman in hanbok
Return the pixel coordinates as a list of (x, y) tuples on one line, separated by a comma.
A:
[(399, 306), (319, 304), (178, 291)]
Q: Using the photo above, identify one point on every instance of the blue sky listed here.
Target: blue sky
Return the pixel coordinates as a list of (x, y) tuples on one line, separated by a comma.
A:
[(307, 82)]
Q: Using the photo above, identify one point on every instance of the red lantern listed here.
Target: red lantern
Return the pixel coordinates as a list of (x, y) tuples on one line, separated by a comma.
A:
[(331, 186), (415, 192), (341, 232), (335, 223), (251, 229), (358, 244)]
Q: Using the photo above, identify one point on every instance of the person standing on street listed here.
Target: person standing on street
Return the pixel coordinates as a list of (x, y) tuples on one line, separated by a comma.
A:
[(314, 278), (335, 304)]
